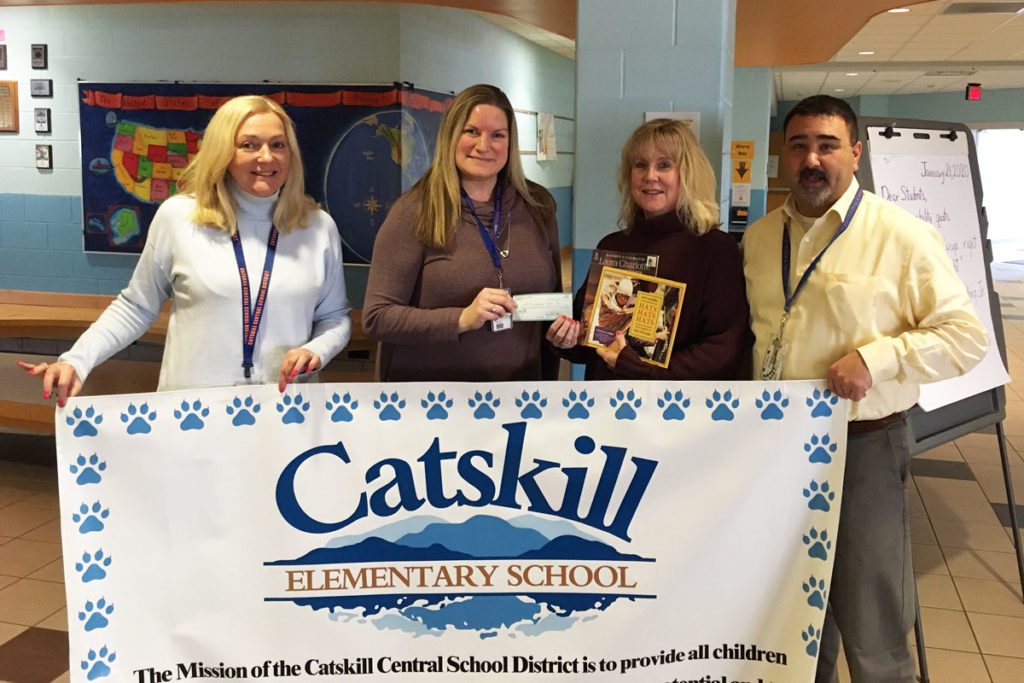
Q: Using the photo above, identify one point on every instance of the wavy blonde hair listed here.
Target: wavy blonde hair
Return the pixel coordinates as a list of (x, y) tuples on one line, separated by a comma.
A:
[(206, 177), (441, 202), (696, 204)]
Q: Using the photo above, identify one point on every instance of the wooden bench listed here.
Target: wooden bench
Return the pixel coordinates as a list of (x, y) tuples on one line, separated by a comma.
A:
[(58, 316)]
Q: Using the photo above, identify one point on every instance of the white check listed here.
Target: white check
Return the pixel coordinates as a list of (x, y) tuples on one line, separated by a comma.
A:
[(543, 306)]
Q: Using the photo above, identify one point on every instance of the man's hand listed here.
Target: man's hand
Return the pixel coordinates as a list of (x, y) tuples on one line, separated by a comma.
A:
[(849, 377)]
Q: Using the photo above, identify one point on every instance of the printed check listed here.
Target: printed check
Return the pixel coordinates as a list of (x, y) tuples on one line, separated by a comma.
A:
[(543, 306)]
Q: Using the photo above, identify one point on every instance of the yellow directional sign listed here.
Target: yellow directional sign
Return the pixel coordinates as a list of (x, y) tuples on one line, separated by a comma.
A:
[(742, 149), (741, 170)]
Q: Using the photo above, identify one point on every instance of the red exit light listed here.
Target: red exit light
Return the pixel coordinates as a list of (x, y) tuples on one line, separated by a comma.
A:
[(973, 92)]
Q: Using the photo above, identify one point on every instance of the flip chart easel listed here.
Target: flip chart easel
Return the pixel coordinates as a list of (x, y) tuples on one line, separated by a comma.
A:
[(931, 169)]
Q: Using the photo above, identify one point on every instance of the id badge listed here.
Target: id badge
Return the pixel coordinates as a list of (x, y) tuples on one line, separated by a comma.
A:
[(504, 322), (775, 355)]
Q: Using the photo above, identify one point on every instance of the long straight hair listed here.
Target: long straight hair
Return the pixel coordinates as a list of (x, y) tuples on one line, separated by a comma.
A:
[(441, 202), (696, 204), (205, 178)]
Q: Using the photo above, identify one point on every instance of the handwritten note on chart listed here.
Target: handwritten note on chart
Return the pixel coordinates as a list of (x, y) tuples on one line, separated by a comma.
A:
[(931, 178)]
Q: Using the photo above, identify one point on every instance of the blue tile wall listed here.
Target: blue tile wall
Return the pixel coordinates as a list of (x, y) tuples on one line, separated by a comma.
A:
[(41, 248)]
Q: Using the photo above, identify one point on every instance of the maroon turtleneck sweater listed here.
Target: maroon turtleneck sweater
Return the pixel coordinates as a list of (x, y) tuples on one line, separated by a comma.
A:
[(713, 338)]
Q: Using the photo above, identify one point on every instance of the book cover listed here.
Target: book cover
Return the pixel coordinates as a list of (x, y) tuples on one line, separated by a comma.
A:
[(644, 307), (645, 264)]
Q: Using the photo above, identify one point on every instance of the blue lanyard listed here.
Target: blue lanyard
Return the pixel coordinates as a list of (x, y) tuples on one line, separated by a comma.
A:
[(252, 315), (786, 248), (485, 234)]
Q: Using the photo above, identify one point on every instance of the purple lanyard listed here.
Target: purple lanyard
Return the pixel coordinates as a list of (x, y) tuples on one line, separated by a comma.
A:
[(252, 316), (786, 249), (485, 234)]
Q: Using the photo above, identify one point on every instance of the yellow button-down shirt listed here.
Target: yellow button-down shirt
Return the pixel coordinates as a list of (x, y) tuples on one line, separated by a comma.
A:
[(885, 288)]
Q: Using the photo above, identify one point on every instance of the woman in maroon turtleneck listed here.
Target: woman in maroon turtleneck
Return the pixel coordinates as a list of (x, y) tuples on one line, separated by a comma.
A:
[(669, 209)]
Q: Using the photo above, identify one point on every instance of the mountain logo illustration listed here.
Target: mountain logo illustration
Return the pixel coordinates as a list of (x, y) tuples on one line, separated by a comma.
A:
[(485, 574)]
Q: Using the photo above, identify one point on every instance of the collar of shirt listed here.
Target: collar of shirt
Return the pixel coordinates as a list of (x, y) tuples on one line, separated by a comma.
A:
[(837, 210)]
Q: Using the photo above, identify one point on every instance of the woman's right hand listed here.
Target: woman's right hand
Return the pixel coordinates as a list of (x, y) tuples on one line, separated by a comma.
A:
[(490, 304), (61, 374)]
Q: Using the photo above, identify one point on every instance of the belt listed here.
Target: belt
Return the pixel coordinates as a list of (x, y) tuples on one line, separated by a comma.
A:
[(864, 426)]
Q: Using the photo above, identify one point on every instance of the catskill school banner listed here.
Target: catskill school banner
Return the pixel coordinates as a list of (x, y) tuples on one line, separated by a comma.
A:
[(612, 531)]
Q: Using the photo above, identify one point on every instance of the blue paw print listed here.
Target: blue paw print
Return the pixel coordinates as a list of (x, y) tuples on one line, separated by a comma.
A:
[(95, 615), (723, 405), (389, 407), (484, 405), (578, 404), (85, 421), (817, 544), (341, 407), (437, 405), (674, 405), (97, 664), (772, 405), (91, 518), (242, 413), (88, 470), (811, 636), (293, 410), (138, 419), (817, 594), (820, 450), (821, 402), (625, 405), (191, 416), (819, 497), (532, 405), (93, 567)]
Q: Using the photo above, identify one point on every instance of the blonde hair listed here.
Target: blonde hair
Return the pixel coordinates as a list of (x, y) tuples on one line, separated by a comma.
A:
[(206, 177), (441, 202), (696, 204)]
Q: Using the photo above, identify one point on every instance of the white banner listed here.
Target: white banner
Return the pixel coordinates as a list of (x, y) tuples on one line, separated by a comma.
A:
[(642, 531)]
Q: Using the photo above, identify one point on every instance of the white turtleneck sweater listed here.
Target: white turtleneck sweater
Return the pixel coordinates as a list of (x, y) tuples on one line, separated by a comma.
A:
[(195, 266)]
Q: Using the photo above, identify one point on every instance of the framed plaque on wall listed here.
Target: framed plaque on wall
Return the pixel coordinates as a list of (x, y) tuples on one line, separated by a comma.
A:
[(8, 106)]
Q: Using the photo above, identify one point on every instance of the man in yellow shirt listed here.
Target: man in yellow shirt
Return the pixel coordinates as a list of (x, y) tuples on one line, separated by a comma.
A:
[(847, 287)]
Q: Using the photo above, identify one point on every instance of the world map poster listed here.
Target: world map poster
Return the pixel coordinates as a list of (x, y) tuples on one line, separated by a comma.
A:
[(361, 146)]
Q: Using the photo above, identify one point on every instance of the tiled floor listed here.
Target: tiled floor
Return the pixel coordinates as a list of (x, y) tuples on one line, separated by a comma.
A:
[(969, 589)]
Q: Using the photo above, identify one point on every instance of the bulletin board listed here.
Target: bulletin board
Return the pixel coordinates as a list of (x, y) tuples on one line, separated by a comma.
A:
[(361, 145)]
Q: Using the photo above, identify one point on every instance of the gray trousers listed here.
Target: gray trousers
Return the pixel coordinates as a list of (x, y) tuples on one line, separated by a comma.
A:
[(872, 598)]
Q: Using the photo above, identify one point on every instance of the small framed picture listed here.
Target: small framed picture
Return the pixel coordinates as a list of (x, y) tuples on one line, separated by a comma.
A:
[(3, 58), (41, 87), (44, 156), (8, 106), (41, 119), (39, 56)]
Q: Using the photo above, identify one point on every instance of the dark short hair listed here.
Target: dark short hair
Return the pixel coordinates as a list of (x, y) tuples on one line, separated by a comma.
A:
[(825, 105)]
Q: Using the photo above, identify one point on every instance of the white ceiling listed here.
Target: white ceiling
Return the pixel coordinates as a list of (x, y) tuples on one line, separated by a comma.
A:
[(925, 50), (928, 49)]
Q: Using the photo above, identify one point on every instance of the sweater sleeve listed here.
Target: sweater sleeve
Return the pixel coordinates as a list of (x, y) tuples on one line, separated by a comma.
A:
[(723, 340), (395, 270), (138, 305), (332, 326)]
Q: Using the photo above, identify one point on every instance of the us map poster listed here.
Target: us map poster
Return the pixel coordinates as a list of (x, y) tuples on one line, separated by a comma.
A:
[(361, 146), (610, 531)]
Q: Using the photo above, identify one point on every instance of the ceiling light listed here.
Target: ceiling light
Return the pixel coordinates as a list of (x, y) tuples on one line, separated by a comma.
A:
[(899, 10), (853, 73), (840, 90), (866, 52)]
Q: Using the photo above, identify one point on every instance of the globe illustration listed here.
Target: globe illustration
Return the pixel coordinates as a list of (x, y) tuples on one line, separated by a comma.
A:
[(374, 161)]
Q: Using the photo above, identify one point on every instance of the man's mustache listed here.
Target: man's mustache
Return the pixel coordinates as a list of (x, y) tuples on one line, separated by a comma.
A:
[(812, 174)]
